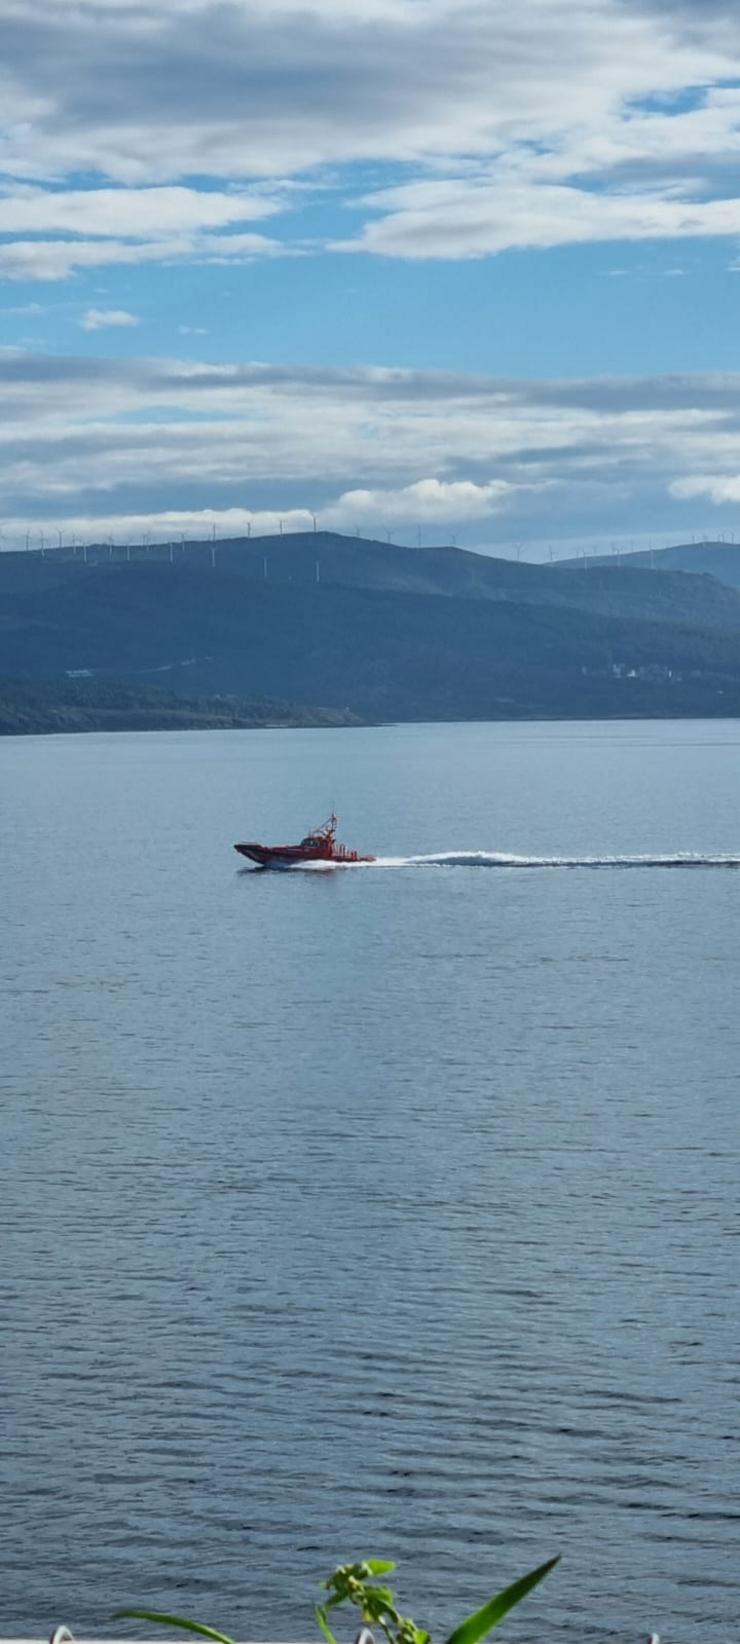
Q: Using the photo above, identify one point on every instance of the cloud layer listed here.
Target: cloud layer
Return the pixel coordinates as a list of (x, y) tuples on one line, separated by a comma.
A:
[(101, 445), (203, 132), (494, 126)]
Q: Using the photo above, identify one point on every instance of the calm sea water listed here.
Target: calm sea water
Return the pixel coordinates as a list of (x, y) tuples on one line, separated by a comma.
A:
[(384, 1211)]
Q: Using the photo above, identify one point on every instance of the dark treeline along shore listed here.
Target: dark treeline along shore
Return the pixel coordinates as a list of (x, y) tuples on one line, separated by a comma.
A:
[(318, 628), (47, 706)]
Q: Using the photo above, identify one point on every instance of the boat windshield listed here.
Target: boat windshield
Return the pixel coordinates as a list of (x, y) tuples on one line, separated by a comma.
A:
[(318, 836)]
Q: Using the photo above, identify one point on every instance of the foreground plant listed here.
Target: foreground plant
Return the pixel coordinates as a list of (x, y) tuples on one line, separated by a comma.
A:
[(356, 1584)]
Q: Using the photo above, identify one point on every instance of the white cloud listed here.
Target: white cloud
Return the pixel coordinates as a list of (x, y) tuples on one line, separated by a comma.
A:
[(531, 125), (513, 208), (125, 226), (96, 319), (58, 259), (167, 525), (126, 213), (270, 88), (719, 488), (112, 440), (426, 501)]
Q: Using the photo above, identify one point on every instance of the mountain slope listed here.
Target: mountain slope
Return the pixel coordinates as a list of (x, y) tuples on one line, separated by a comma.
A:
[(720, 560), (299, 559), (201, 629)]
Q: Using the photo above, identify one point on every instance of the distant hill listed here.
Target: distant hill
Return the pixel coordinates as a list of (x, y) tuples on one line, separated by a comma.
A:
[(374, 630), (85, 705), (715, 559), (297, 560)]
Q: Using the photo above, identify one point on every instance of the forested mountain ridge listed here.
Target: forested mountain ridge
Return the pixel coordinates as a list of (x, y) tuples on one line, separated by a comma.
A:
[(715, 559), (373, 629), (328, 559)]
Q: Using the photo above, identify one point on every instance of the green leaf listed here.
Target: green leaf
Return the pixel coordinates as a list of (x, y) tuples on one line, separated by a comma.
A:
[(477, 1625), (379, 1595), (320, 1615), (339, 1577), (379, 1566), (171, 1621)]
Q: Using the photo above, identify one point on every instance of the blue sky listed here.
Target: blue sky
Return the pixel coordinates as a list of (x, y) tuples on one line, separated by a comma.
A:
[(439, 266)]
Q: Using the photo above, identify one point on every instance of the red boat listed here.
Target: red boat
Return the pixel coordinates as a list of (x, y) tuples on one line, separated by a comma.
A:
[(320, 845)]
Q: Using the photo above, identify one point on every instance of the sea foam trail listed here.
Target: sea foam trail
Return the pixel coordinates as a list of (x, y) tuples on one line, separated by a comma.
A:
[(497, 859)]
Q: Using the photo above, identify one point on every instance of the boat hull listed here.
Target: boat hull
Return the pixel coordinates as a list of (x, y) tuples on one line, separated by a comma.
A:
[(320, 845), (296, 856)]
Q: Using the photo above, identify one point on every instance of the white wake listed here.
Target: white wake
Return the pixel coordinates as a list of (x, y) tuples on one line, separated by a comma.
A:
[(499, 859)]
